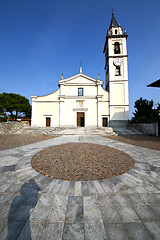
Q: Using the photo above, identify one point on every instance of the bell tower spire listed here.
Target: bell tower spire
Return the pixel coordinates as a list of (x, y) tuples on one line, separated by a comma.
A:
[(113, 20), (116, 69)]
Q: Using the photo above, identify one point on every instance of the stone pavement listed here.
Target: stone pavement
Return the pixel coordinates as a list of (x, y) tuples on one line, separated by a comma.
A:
[(37, 207)]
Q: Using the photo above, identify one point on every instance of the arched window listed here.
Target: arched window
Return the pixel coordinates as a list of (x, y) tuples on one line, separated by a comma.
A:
[(117, 48)]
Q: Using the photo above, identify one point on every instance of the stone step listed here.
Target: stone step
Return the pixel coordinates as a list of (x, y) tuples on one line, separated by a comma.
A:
[(77, 131)]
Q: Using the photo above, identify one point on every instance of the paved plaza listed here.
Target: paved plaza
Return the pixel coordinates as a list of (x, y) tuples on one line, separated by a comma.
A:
[(36, 207)]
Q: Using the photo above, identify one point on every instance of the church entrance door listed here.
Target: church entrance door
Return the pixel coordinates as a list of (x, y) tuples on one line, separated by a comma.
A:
[(48, 122), (104, 122), (80, 119)]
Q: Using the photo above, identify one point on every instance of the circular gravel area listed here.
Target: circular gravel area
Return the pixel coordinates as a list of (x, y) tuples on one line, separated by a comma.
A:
[(81, 162)]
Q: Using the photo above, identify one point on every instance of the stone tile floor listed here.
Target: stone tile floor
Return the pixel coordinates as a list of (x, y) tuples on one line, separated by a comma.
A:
[(36, 207)]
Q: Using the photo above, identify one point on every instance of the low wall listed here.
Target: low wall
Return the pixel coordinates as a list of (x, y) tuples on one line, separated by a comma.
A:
[(147, 128), (118, 123), (11, 127)]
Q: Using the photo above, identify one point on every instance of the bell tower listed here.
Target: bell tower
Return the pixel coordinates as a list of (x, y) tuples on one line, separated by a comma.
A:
[(116, 73)]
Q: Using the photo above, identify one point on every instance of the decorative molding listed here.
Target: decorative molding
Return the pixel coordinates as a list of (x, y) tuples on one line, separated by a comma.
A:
[(118, 55), (82, 84), (80, 97), (80, 109), (118, 81), (63, 81), (117, 36), (121, 105), (47, 101)]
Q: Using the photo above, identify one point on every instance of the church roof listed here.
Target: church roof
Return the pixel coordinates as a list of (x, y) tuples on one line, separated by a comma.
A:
[(113, 22), (154, 84)]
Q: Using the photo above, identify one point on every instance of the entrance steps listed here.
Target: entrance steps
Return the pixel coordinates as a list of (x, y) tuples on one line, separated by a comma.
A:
[(77, 131)]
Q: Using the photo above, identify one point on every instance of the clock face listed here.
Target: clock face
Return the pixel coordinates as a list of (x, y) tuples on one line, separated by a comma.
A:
[(117, 61)]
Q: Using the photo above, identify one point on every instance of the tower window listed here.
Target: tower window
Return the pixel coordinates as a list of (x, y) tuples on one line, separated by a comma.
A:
[(80, 91), (118, 71), (117, 48), (116, 31)]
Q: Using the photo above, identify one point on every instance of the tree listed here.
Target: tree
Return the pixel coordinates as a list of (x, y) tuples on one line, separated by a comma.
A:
[(3, 115), (15, 103), (157, 113), (144, 112)]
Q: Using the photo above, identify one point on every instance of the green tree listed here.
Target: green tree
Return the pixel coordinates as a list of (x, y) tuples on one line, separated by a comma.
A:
[(3, 115), (15, 103), (144, 112), (157, 113)]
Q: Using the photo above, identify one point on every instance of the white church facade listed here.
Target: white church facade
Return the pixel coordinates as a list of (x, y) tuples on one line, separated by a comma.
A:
[(81, 101)]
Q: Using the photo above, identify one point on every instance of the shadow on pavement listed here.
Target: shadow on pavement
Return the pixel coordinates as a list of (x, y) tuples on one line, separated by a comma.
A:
[(19, 212)]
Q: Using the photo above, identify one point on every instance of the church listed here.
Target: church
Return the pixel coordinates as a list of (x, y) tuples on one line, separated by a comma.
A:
[(81, 101)]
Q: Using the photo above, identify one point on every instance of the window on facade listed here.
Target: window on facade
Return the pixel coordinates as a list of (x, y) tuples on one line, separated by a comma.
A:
[(80, 91), (117, 48), (116, 31), (118, 71)]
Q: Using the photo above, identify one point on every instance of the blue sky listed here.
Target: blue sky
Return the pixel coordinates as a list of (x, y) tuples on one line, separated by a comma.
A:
[(41, 39)]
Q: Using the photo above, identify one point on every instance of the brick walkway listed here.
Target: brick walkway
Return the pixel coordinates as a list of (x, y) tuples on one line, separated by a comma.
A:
[(37, 207)]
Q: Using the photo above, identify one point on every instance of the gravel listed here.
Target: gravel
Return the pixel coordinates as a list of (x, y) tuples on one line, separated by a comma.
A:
[(145, 141), (81, 161), (17, 140)]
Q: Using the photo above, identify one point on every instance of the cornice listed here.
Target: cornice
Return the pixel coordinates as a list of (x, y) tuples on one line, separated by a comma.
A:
[(81, 84), (117, 36), (118, 80), (121, 105), (65, 81), (79, 97), (48, 101), (80, 109), (118, 55)]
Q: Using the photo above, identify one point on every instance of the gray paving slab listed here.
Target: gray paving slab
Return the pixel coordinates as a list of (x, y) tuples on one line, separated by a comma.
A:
[(94, 230), (128, 214), (85, 188), (36, 207), (110, 214), (154, 229), (52, 231), (78, 189), (92, 211), (137, 231), (74, 231), (116, 231)]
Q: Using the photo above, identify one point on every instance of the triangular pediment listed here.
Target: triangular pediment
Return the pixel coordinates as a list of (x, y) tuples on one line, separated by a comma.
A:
[(80, 79)]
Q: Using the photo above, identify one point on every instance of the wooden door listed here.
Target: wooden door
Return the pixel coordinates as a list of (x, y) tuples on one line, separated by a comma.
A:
[(48, 122), (80, 119), (104, 122)]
